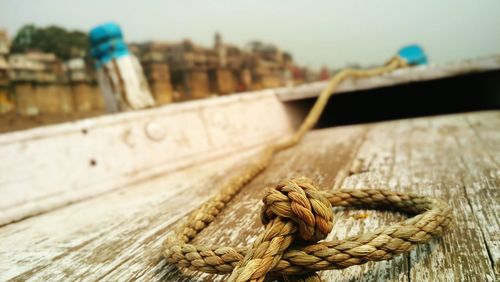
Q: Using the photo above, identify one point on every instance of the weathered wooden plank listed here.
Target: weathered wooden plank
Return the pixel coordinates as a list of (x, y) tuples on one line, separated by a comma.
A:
[(427, 160), (408, 156), (92, 238), (482, 180), (422, 156), (49, 167), (118, 236)]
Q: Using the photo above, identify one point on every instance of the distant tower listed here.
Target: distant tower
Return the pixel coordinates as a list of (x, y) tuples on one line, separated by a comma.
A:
[(217, 40), (4, 44), (220, 49)]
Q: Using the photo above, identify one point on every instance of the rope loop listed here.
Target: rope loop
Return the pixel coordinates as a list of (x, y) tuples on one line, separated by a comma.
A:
[(297, 216)]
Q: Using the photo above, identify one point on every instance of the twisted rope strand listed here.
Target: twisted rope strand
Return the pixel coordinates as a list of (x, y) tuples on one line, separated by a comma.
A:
[(296, 213), (380, 244)]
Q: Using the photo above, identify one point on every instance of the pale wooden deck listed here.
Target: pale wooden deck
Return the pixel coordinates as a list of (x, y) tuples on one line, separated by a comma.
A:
[(117, 236)]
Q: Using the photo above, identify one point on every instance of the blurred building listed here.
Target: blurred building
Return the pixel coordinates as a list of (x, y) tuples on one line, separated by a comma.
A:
[(156, 70), (36, 66), (76, 70), (36, 79), (80, 76), (35, 82), (40, 83), (6, 103), (185, 70)]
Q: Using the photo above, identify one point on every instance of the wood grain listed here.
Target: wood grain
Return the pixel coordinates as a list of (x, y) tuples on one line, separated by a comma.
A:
[(91, 239), (117, 236), (46, 168)]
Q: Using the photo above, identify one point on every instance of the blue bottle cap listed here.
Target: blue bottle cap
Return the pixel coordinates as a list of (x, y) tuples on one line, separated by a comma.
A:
[(413, 54), (105, 32), (107, 43)]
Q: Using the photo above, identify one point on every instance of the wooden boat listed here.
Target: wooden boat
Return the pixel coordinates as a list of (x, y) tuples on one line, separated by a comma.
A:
[(94, 199)]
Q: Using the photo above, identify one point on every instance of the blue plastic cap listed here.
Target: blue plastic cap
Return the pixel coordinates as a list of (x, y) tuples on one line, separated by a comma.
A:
[(413, 54), (104, 32), (107, 43)]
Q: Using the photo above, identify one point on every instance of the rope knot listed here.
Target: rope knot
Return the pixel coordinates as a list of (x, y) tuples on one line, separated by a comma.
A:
[(294, 212), (299, 200)]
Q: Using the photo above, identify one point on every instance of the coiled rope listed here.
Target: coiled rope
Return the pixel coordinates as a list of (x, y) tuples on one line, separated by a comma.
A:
[(297, 215)]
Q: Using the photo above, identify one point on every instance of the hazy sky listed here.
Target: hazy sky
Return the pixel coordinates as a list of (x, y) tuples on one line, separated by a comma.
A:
[(317, 33)]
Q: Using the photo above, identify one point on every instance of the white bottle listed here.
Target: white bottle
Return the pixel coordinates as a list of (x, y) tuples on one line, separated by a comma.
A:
[(119, 73)]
